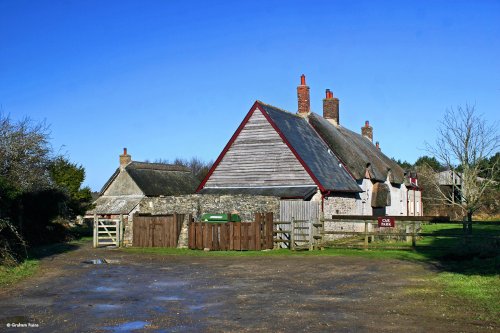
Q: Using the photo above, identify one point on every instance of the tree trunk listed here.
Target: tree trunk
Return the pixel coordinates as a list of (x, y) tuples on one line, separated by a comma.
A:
[(469, 223)]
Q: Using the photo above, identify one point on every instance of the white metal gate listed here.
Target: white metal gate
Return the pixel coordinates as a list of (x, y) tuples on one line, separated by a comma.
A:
[(302, 215), (107, 232)]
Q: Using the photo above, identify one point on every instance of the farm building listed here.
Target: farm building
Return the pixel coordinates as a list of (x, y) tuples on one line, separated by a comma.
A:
[(134, 182), (305, 156)]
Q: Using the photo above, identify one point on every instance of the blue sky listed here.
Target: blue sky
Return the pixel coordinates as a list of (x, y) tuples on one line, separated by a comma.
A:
[(173, 79)]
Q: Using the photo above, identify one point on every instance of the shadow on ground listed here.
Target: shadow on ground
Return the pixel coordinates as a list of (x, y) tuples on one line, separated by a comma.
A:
[(477, 254)]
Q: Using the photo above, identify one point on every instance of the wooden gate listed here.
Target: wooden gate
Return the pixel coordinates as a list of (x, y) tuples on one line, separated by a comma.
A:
[(257, 235), (157, 230), (300, 216), (107, 231)]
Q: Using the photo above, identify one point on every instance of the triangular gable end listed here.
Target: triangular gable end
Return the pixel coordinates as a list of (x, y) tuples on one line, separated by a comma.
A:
[(258, 155), (121, 183)]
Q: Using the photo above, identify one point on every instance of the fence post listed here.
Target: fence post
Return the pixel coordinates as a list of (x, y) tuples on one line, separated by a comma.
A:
[(311, 236), (413, 238), (292, 234), (120, 231), (322, 229), (96, 234), (366, 236)]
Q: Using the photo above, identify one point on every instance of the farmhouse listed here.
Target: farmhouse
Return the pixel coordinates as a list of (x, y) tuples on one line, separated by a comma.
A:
[(305, 156)]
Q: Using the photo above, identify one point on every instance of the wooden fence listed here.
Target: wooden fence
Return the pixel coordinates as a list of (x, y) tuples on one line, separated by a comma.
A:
[(364, 232), (298, 234), (156, 230), (257, 235)]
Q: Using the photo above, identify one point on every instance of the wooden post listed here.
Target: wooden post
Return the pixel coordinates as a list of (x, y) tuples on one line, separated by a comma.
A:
[(366, 236), (311, 236), (120, 231), (413, 238), (322, 229), (269, 230), (96, 234), (292, 235)]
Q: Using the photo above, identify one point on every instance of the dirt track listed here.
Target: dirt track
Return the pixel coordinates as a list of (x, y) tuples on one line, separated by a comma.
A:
[(231, 294)]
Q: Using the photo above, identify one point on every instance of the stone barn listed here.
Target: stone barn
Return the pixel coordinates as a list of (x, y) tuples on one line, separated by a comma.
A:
[(135, 182)]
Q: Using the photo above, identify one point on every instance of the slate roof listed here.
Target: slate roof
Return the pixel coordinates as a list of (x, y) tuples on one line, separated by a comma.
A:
[(155, 179), (115, 205), (357, 153), (279, 191), (318, 157)]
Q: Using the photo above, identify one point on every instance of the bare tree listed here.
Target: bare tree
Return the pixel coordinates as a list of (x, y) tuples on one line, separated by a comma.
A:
[(25, 152), (198, 167), (465, 140)]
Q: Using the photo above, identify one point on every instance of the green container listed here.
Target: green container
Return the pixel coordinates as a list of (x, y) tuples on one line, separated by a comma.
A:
[(222, 218)]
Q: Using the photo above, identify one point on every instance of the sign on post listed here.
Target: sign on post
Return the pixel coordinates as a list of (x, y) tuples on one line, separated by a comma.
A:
[(384, 221)]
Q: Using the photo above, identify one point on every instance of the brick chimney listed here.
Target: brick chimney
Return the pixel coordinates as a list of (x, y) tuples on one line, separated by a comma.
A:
[(367, 131), (125, 159), (331, 108), (377, 145), (303, 97)]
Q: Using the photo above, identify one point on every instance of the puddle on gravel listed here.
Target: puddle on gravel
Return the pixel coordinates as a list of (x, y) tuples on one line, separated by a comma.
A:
[(169, 283), (168, 298), (127, 327), (105, 289), (106, 306), (101, 261)]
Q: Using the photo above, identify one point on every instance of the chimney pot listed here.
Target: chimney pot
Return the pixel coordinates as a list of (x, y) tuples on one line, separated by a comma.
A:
[(331, 108), (304, 101), (367, 131), (125, 159)]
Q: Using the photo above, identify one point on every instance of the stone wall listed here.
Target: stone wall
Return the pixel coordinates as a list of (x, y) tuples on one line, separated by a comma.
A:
[(197, 204), (341, 204)]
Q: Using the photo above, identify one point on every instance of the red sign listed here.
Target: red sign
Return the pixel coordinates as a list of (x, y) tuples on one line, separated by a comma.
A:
[(386, 221)]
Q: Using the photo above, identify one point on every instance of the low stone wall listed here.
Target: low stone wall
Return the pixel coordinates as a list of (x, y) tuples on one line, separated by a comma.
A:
[(341, 204), (197, 204)]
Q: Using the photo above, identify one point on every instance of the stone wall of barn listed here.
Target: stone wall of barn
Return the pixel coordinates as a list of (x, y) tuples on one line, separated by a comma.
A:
[(341, 204), (197, 204)]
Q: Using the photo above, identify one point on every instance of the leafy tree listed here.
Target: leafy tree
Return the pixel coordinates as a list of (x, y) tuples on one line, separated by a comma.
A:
[(403, 164), (429, 161), (464, 145), (69, 177)]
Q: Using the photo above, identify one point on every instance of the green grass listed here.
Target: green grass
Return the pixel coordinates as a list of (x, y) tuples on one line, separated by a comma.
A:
[(481, 292), (29, 267), (11, 275)]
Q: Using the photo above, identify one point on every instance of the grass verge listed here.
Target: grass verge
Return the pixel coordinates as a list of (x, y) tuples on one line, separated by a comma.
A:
[(11, 275)]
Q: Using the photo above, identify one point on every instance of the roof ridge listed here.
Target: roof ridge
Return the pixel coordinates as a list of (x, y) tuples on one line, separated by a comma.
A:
[(158, 166), (277, 108)]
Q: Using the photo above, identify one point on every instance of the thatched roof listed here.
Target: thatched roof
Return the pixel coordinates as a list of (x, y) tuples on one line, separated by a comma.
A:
[(357, 153), (155, 179)]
